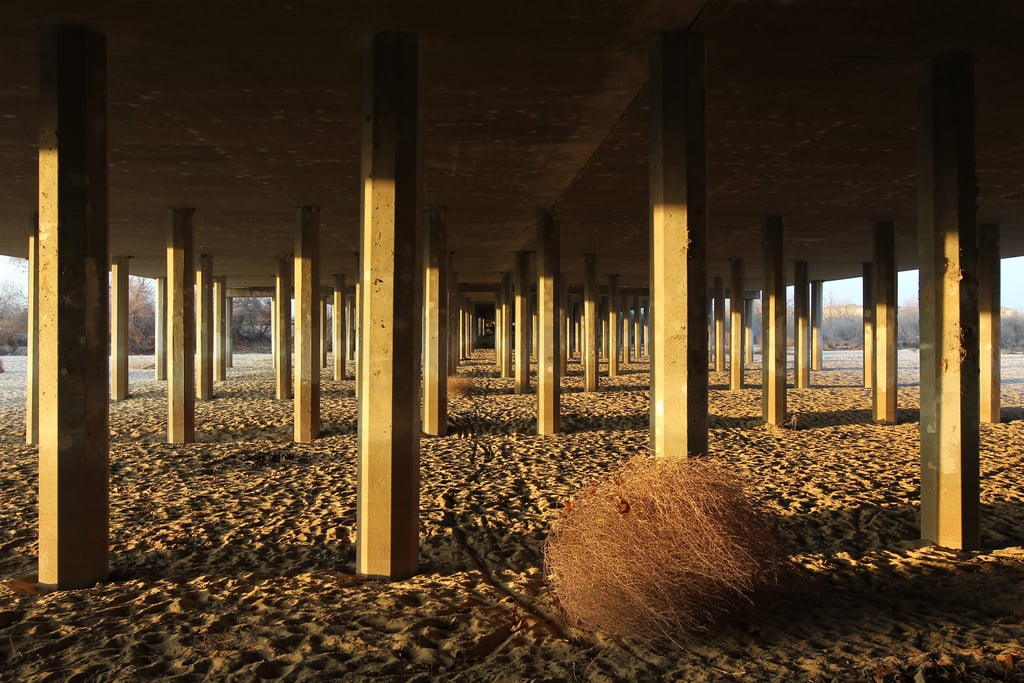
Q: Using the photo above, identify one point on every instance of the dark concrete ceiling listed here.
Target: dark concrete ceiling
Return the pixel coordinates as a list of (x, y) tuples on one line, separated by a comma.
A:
[(245, 109)]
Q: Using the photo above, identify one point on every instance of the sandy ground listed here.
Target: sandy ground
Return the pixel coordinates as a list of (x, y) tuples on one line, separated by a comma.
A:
[(232, 559)]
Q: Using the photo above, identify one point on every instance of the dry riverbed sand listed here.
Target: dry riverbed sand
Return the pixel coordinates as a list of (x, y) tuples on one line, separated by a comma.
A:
[(232, 558)]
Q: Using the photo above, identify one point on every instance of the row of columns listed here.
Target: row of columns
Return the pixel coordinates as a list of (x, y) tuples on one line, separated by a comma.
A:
[(73, 302)]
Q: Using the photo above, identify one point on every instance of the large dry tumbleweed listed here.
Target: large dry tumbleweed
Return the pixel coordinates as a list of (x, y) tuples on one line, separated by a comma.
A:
[(660, 548)]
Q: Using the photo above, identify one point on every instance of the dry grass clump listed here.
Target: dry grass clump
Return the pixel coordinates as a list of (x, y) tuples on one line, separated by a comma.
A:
[(460, 386), (660, 548)]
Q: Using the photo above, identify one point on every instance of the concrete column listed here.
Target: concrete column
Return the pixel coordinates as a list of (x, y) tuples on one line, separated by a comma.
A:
[(357, 322), (387, 544), (549, 322), (884, 396), (523, 322), (678, 199), (160, 330), (507, 331), (322, 342), (204, 328), (636, 328), (590, 322), (454, 339), (773, 325), (74, 392), (283, 329), (614, 311), (498, 337), (350, 326), (801, 327), (736, 324), (748, 331), (435, 332), (719, 322), (119, 328), (32, 359), (229, 331), (602, 321), (627, 327), (989, 324), (308, 311), (338, 326), (533, 329), (220, 365), (817, 320), (563, 327), (947, 255), (181, 329), (274, 327), (868, 298)]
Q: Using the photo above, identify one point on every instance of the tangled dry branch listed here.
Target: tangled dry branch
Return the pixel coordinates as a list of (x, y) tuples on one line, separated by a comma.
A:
[(660, 548)]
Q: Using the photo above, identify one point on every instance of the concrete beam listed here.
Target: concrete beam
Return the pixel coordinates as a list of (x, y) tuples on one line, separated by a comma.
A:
[(678, 340), (74, 392)]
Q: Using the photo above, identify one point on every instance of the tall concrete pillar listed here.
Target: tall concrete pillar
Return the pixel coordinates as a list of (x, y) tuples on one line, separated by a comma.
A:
[(678, 199), (614, 311), (74, 392), (160, 331), (454, 339), (524, 319), (549, 322), (283, 329), (817, 320), (204, 328), (989, 269), (507, 331), (32, 352), (748, 331), (773, 325), (590, 322), (736, 324), (387, 536), (719, 286), (435, 332), (801, 327), (119, 328), (635, 340), (229, 331), (308, 309), (533, 329), (626, 333), (947, 255), (220, 363), (884, 396), (498, 323), (868, 298), (322, 342), (350, 326), (563, 318), (339, 324), (181, 329), (357, 322)]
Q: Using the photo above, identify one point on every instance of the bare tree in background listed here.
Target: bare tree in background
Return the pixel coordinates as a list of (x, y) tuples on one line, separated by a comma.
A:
[(141, 315), (13, 319)]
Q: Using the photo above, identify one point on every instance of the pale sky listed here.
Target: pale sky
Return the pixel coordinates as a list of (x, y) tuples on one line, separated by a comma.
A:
[(838, 291)]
